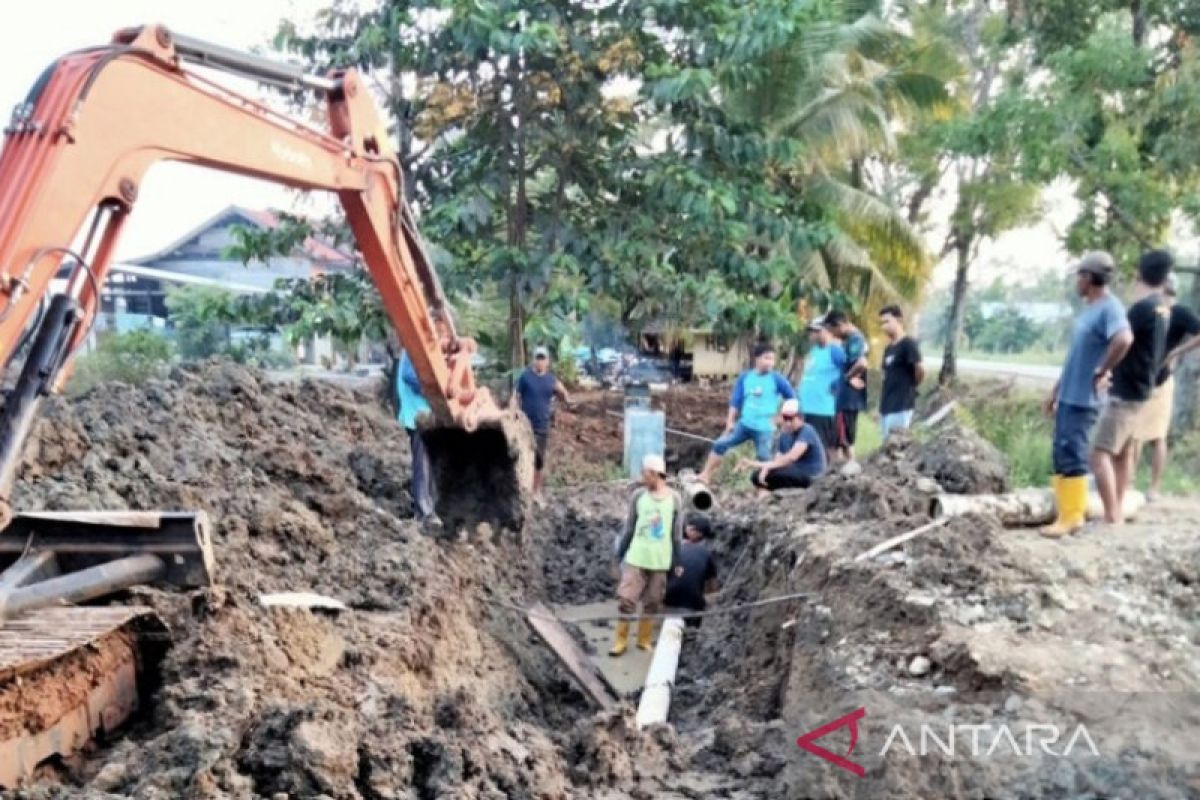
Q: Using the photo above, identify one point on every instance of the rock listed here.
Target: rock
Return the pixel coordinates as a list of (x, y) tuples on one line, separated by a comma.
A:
[(851, 469), (919, 666), (928, 486), (110, 777), (970, 614)]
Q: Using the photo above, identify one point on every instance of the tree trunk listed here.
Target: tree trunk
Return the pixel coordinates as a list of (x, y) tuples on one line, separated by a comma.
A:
[(1187, 380), (1138, 12), (958, 301)]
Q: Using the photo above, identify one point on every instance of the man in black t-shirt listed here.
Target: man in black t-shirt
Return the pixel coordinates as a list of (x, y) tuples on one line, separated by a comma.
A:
[(1132, 384), (696, 571), (1183, 336), (902, 373)]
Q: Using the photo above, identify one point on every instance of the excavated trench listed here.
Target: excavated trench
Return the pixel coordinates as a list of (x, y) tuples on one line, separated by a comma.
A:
[(431, 687)]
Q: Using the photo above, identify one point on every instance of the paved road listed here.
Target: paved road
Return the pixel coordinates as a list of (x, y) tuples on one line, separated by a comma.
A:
[(1036, 376)]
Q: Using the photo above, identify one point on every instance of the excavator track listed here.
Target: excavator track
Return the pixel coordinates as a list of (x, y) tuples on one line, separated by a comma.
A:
[(67, 676)]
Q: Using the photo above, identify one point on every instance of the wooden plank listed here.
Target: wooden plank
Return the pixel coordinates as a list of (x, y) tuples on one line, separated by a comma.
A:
[(559, 640)]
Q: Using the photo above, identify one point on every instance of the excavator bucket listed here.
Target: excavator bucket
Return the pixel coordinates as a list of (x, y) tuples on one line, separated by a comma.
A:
[(484, 475), (71, 673)]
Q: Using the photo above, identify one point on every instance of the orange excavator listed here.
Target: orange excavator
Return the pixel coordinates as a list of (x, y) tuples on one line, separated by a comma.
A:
[(74, 155)]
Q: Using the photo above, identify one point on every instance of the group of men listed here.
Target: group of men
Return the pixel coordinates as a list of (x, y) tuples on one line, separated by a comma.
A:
[(818, 420), (1115, 391)]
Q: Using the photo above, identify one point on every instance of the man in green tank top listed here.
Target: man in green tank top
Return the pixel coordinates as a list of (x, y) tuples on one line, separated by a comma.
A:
[(648, 551)]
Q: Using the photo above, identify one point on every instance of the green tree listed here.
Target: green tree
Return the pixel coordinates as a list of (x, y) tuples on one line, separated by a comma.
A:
[(841, 84), (977, 154)]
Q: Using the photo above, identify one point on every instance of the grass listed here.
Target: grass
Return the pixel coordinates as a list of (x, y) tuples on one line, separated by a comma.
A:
[(1016, 425), (1183, 467), (1052, 358)]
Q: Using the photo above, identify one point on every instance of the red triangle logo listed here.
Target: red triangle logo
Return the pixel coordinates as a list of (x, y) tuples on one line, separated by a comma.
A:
[(806, 742)]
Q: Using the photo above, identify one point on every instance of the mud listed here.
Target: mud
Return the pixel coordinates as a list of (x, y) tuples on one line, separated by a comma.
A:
[(430, 686)]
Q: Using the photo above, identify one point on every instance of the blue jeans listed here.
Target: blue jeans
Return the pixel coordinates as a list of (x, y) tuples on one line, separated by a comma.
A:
[(421, 493), (739, 434), (1072, 427), (895, 421)]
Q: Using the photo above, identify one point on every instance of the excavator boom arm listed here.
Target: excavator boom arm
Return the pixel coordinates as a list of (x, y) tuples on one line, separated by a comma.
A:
[(98, 119)]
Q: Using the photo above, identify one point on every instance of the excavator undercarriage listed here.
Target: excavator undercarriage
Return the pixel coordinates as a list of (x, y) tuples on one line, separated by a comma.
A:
[(92, 125)]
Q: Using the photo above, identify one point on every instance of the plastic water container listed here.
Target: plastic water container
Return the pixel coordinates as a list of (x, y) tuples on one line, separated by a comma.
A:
[(645, 434)]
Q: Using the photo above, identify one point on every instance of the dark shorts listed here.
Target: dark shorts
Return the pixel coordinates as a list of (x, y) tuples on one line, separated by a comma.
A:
[(778, 480), (826, 428), (540, 441), (847, 427)]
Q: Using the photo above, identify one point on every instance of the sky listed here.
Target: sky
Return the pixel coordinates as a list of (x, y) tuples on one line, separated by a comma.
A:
[(175, 198)]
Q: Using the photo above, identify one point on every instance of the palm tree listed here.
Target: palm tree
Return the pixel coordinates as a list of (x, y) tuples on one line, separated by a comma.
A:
[(841, 87)]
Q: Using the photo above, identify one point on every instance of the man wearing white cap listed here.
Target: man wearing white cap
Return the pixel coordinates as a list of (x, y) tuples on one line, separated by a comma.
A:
[(800, 457), (648, 551)]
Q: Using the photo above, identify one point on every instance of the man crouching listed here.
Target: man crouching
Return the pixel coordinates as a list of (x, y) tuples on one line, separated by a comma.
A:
[(648, 551)]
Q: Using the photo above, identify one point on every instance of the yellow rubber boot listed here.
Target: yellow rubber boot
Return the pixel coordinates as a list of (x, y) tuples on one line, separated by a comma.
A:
[(645, 634), (1075, 490), (1066, 500), (622, 643)]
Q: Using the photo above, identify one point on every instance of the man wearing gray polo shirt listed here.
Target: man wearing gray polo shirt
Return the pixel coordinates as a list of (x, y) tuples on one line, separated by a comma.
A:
[(1100, 339)]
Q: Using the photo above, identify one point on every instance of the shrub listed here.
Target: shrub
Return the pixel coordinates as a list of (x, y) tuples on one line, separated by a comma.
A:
[(1016, 425), (133, 357)]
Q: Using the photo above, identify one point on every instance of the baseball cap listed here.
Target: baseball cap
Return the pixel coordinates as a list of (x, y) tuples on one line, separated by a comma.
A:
[(817, 324), (790, 408), (541, 352), (654, 463), (1097, 263)]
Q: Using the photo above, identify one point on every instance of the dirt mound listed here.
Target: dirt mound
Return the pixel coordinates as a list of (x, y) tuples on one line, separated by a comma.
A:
[(900, 479), (957, 458), (422, 685)]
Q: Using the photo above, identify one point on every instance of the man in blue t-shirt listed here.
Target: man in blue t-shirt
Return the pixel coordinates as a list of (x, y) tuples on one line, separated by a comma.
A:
[(752, 409), (412, 406), (1100, 338), (820, 381), (852, 392), (534, 395), (800, 457)]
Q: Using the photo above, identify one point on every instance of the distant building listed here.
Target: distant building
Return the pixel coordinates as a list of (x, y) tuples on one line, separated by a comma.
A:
[(696, 353), (134, 294), (198, 257)]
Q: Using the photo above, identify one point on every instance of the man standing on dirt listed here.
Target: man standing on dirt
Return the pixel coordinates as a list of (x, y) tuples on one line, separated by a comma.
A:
[(647, 552), (1132, 383), (534, 395), (852, 392), (801, 455), (1099, 341), (820, 382), (687, 588), (412, 406), (903, 373), (1183, 336), (752, 409)]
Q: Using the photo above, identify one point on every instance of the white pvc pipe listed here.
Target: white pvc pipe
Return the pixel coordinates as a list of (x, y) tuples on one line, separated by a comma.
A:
[(656, 696)]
